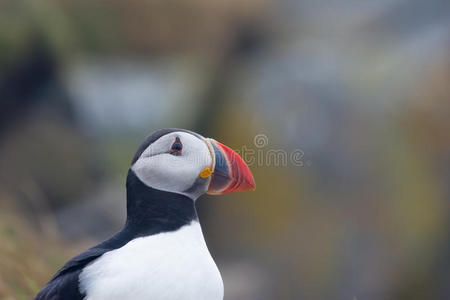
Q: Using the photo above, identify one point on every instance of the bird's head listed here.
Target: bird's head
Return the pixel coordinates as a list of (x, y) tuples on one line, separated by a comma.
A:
[(184, 162)]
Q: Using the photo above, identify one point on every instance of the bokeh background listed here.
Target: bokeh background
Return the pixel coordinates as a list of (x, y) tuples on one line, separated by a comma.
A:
[(361, 88)]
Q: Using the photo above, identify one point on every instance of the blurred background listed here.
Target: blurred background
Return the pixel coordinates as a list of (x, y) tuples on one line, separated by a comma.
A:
[(361, 88)]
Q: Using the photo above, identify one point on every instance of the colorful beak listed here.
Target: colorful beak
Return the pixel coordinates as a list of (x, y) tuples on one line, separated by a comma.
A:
[(230, 172)]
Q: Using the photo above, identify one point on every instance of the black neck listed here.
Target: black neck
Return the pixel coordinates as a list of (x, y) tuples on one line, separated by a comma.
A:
[(151, 211)]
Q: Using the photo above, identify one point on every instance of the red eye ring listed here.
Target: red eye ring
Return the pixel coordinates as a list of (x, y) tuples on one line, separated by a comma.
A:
[(177, 147)]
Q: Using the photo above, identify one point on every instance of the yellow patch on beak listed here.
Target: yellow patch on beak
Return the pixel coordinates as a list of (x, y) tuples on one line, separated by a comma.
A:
[(206, 172)]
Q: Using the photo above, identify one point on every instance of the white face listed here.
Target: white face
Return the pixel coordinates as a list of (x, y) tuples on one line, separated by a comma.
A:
[(164, 166)]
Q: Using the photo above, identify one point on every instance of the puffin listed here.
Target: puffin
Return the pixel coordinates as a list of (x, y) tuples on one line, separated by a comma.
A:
[(160, 253)]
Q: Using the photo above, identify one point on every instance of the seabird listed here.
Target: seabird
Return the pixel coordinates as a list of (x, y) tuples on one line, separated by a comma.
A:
[(160, 253)]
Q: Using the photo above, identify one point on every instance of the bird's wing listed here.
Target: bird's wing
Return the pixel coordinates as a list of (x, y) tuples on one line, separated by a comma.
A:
[(65, 284), (62, 287)]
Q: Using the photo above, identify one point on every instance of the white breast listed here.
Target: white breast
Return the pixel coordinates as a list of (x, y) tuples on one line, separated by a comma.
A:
[(175, 265)]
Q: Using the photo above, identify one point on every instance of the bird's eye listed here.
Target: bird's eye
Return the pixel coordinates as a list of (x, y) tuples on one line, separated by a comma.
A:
[(177, 147)]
